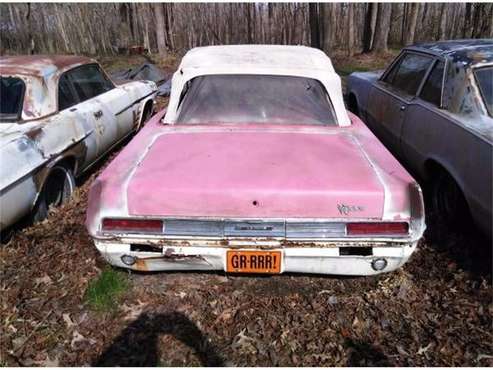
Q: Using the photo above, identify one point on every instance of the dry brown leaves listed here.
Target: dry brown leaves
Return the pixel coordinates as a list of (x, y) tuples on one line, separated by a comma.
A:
[(437, 310)]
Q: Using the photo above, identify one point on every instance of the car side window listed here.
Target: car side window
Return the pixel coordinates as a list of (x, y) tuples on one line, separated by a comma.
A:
[(89, 81), (390, 76), (432, 89), (66, 97), (11, 97), (484, 78), (406, 76)]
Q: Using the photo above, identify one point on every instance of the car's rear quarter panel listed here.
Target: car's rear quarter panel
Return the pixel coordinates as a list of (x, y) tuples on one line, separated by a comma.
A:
[(431, 138), (392, 174)]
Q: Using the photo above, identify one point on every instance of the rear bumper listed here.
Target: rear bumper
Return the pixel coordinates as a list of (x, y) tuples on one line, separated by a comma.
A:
[(304, 259)]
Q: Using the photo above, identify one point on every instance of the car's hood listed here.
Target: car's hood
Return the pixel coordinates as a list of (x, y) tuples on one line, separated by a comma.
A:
[(250, 174)]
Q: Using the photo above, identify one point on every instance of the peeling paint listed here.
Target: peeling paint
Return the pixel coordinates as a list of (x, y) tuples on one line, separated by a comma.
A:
[(255, 180), (43, 136), (458, 136)]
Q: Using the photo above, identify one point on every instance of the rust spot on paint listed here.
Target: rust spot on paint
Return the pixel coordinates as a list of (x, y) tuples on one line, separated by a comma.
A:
[(140, 264), (35, 65), (34, 133)]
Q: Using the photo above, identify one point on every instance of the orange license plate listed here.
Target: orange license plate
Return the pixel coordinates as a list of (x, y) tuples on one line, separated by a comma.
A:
[(257, 262)]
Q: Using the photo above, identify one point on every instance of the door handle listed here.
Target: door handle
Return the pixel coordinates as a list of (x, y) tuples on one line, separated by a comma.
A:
[(98, 114), (403, 108)]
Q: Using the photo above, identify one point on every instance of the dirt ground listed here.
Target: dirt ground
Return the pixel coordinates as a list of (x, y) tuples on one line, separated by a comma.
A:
[(435, 311)]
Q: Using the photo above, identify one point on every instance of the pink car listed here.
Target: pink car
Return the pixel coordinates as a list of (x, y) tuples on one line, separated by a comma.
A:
[(256, 167)]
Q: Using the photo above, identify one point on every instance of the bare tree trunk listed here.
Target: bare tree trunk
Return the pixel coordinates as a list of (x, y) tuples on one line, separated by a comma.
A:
[(466, 31), (424, 19), (382, 28), (130, 23), (333, 17), (99, 27), (490, 24), (443, 22), (145, 16), (29, 29), (413, 18), (12, 17), (321, 25), (350, 30), (248, 23), (254, 22), (61, 27), (314, 29), (404, 23), (370, 16), (475, 19), (479, 28), (271, 23), (170, 21), (325, 26), (455, 21), (160, 32)]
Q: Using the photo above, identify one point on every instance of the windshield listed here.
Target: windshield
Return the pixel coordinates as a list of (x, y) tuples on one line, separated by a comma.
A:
[(484, 76), (255, 99), (11, 97)]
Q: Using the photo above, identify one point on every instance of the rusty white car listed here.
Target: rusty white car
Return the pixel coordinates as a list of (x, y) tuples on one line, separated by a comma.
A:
[(256, 167), (59, 115), (433, 109)]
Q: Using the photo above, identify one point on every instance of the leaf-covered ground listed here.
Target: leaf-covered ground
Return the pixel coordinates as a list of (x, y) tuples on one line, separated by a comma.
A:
[(436, 310)]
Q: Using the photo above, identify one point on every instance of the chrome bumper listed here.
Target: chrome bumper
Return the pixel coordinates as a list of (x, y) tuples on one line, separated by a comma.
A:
[(299, 259)]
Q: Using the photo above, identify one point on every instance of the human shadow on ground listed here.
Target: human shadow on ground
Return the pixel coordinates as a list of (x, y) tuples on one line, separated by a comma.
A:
[(138, 343), (364, 354)]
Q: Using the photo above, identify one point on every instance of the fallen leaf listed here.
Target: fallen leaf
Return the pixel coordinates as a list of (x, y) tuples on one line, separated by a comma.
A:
[(244, 342), (68, 320), (48, 362), (76, 339), (133, 312), (482, 356), (43, 280), (422, 350)]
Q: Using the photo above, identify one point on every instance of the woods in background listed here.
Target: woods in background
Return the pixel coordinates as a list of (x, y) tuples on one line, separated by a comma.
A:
[(107, 28)]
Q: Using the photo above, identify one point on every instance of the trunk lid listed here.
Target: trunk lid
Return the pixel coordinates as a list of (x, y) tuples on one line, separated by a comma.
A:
[(256, 174)]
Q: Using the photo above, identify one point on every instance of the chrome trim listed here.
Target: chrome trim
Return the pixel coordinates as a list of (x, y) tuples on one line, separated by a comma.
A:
[(254, 228), (291, 229), (315, 229), (193, 227)]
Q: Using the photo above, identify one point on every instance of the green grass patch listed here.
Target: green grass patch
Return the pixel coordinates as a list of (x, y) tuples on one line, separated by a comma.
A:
[(103, 293)]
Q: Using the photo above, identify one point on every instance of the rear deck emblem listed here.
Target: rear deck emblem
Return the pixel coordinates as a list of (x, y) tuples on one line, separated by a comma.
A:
[(345, 209)]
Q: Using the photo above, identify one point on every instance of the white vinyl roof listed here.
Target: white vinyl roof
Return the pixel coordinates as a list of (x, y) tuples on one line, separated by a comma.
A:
[(282, 60)]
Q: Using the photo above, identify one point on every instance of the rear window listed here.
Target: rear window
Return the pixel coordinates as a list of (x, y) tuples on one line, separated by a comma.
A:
[(484, 76), (255, 99), (11, 98)]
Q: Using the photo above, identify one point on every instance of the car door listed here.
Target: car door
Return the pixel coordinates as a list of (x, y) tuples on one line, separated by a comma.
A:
[(391, 95), (116, 102), (71, 109), (427, 125), (88, 88)]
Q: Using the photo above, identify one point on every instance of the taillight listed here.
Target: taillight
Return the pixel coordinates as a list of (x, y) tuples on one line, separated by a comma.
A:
[(377, 228), (132, 225)]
